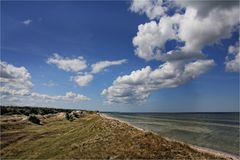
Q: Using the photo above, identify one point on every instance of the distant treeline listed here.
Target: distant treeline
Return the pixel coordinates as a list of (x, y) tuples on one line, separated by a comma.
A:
[(10, 110)]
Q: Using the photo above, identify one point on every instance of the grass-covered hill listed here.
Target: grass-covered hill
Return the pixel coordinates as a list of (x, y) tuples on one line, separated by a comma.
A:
[(85, 135)]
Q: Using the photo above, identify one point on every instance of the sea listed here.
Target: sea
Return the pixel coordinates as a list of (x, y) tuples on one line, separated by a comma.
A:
[(217, 131)]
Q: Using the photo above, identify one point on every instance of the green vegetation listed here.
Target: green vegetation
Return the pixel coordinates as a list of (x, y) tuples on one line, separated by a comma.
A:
[(69, 117), (32, 118), (90, 136), (10, 110)]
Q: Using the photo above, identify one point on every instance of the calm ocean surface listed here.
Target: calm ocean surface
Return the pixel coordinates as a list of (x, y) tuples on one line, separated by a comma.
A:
[(219, 131)]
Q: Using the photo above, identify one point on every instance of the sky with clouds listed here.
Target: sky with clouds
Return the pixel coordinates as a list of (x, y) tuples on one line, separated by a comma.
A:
[(132, 56)]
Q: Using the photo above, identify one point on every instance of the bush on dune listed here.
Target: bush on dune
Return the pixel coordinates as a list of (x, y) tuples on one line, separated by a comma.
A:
[(69, 117), (32, 118)]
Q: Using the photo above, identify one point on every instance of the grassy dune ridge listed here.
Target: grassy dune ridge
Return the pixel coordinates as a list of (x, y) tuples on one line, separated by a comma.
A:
[(90, 136)]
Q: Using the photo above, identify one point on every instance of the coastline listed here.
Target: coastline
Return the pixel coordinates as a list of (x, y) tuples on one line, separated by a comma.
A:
[(89, 135), (195, 147)]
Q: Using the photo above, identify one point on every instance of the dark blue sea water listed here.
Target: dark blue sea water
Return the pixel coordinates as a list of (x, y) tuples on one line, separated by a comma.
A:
[(218, 131)]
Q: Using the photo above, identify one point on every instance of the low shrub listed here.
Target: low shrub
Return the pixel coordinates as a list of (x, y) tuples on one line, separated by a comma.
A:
[(77, 114), (69, 117), (32, 118)]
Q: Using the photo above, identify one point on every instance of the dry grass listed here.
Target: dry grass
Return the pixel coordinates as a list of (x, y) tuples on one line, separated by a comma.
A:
[(89, 137)]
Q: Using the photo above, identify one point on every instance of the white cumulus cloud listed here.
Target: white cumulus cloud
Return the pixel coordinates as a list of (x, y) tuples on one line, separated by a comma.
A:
[(16, 86), (152, 36), (199, 32), (205, 7), (192, 28), (152, 8), (83, 80), (137, 86), (68, 64), (14, 80), (79, 64), (200, 24), (232, 63)]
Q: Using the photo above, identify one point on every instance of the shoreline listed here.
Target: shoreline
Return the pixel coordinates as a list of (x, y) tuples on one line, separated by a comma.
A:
[(90, 135), (195, 147)]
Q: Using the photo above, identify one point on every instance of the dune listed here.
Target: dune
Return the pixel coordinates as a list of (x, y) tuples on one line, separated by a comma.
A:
[(92, 136)]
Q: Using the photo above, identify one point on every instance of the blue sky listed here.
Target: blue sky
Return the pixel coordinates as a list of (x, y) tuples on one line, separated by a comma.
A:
[(31, 32)]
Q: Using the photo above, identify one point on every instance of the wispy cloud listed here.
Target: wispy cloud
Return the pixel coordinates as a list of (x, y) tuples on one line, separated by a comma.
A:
[(27, 22), (100, 66), (69, 96), (50, 84)]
